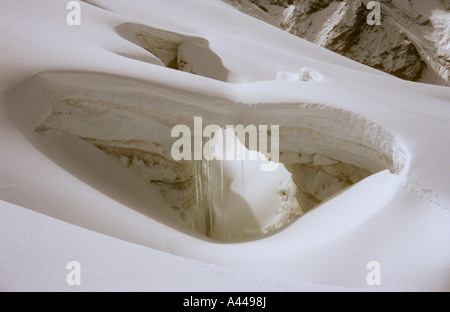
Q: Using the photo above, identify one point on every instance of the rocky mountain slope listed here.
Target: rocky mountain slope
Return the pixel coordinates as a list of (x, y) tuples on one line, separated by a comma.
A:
[(412, 41)]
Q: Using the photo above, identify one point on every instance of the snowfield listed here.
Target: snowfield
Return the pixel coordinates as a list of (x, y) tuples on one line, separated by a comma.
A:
[(87, 175)]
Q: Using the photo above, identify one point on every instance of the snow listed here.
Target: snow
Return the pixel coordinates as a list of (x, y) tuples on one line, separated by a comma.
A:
[(38, 249), (305, 74), (77, 92)]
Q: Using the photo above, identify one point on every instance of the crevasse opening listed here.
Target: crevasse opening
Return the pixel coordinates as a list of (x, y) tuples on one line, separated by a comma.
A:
[(323, 150)]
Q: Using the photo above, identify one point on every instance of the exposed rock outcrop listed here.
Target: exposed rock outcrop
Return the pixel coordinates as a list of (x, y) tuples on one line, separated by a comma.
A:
[(411, 43)]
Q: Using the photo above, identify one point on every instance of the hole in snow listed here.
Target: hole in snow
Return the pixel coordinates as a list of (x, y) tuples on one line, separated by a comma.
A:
[(323, 150)]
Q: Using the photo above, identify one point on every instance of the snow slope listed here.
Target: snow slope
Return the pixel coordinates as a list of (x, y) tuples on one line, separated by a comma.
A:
[(119, 81)]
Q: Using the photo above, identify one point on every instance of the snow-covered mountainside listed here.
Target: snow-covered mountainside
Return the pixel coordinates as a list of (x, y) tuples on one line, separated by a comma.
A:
[(90, 114), (411, 43)]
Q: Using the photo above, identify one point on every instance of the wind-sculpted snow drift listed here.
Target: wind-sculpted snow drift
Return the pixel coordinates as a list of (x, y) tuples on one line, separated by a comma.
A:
[(323, 150), (175, 50)]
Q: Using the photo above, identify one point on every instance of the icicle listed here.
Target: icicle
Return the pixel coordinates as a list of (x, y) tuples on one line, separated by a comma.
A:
[(242, 173), (202, 217), (221, 192)]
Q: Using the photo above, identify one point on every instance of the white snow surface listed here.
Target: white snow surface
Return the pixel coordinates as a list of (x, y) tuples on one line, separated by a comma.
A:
[(62, 199)]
